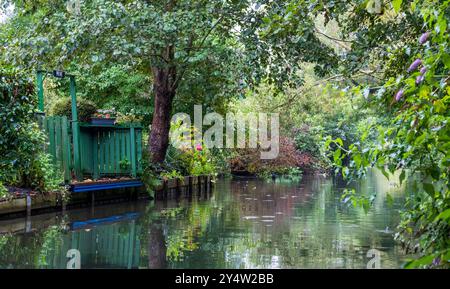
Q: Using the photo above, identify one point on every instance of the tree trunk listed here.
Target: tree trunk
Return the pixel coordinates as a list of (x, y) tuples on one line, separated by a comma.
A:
[(164, 85)]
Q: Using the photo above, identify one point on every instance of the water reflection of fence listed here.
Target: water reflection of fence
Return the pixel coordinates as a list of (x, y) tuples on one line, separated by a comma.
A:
[(112, 246)]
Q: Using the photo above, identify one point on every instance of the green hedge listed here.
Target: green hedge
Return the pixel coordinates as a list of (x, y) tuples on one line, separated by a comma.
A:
[(23, 161), (85, 108)]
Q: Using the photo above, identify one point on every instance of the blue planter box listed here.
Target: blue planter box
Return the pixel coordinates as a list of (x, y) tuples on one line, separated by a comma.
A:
[(103, 121)]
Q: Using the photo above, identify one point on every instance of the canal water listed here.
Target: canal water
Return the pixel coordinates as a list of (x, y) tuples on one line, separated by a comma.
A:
[(242, 223)]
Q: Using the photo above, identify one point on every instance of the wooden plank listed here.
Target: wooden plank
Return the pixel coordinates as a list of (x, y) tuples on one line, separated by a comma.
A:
[(109, 153), (123, 148), (112, 152), (95, 155), (101, 152), (51, 137), (58, 142), (65, 146), (139, 149), (88, 154), (117, 151), (75, 129), (133, 152), (45, 128), (128, 148), (70, 148)]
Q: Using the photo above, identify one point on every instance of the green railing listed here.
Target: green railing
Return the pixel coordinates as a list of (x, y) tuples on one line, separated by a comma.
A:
[(104, 151)]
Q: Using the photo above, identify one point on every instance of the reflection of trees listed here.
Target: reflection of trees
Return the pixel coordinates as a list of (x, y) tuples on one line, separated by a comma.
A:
[(314, 230), (245, 224), (157, 247), (30, 250)]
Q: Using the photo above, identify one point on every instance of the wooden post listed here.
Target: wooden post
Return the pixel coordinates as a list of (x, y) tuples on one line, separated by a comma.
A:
[(40, 87), (65, 147), (189, 185), (165, 189), (75, 129), (199, 185), (92, 198), (28, 224), (63, 206), (206, 186), (177, 188), (133, 152), (95, 173), (28, 204)]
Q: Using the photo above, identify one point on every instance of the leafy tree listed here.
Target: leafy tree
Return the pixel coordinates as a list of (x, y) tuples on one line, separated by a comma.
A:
[(176, 42)]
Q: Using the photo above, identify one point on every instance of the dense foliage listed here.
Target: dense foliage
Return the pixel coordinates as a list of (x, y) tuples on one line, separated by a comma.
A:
[(193, 52), (63, 107), (414, 136), (24, 162), (357, 84)]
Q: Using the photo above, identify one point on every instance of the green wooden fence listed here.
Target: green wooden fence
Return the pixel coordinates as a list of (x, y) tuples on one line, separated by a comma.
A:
[(111, 150), (105, 151), (59, 143)]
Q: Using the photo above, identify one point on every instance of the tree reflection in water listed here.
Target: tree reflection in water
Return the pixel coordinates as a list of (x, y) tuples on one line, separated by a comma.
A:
[(245, 223)]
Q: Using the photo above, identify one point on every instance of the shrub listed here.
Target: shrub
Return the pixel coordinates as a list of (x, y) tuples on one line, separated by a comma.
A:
[(194, 162), (3, 191), (63, 107), (249, 160), (23, 162)]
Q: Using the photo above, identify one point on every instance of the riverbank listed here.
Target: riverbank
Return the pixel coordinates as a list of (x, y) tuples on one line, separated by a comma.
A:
[(85, 194)]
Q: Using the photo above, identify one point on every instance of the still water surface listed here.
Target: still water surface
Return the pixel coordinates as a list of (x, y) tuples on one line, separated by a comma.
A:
[(243, 223)]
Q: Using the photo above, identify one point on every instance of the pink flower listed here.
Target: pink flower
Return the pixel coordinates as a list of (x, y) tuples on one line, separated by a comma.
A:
[(107, 115), (199, 148)]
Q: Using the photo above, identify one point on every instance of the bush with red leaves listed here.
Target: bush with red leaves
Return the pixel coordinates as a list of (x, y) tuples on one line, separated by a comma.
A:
[(249, 160)]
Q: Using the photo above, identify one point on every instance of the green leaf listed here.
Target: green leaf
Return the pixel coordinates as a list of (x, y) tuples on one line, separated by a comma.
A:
[(443, 215), (337, 155), (446, 60), (402, 176), (397, 5), (429, 188), (386, 174), (425, 260), (389, 200)]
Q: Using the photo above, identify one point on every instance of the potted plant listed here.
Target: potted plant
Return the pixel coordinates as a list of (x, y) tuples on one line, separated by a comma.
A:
[(104, 117)]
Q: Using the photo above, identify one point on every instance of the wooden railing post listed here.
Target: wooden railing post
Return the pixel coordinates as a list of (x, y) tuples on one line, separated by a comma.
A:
[(40, 87), (75, 129)]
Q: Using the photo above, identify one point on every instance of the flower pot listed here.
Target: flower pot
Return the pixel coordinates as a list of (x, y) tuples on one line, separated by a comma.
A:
[(102, 121)]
